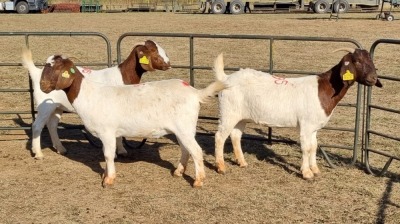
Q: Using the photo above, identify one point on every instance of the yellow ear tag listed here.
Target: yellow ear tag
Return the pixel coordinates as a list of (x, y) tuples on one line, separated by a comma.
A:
[(65, 74), (348, 76), (144, 60)]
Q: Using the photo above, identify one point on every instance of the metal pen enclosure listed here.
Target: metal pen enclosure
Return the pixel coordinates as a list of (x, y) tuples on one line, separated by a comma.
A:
[(192, 68)]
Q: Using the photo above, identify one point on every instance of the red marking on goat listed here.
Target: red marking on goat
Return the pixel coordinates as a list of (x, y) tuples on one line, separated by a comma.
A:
[(87, 70), (185, 83), (280, 80)]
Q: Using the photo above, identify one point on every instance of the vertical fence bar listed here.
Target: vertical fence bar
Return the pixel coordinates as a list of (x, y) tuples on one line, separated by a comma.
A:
[(191, 61)]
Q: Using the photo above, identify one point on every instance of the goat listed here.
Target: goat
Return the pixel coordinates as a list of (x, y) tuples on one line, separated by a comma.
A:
[(146, 56), (307, 102), (151, 109)]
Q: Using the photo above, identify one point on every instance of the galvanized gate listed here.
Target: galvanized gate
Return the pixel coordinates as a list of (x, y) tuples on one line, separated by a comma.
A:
[(271, 54), (376, 113)]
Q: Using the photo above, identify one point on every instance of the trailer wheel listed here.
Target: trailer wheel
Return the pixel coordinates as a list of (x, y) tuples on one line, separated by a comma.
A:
[(341, 6), (389, 17), (321, 6), (218, 7), (236, 7), (22, 8)]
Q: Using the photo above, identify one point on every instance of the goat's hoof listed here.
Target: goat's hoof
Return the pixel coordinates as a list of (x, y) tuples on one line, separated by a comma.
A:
[(316, 171), (178, 172), (61, 150), (39, 156), (122, 152), (307, 174), (107, 182), (198, 184), (243, 164), (221, 169)]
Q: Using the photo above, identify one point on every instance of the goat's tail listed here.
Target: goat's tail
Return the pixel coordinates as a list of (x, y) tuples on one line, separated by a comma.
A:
[(219, 68), (27, 62), (210, 91)]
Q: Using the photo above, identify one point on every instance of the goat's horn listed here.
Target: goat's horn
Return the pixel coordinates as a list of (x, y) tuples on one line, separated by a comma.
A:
[(137, 44), (347, 49)]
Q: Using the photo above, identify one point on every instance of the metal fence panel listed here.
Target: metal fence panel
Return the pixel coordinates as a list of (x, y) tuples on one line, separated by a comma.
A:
[(380, 137)]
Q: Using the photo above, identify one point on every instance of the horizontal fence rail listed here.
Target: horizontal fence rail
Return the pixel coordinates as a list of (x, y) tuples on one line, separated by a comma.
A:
[(271, 39), (370, 131)]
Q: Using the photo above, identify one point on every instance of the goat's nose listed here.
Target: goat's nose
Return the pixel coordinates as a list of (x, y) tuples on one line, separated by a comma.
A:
[(166, 66)]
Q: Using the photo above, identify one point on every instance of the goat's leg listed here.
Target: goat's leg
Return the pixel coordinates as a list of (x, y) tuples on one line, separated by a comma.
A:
[(183, 160), (52, 125), (121, 151), (44, 111), (236, 136), (109, 156), (190, 144), (313, 155), (224, 129), (305, 141)]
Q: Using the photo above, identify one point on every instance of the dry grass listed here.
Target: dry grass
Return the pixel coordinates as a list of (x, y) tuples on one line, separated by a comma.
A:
[(66, 189)]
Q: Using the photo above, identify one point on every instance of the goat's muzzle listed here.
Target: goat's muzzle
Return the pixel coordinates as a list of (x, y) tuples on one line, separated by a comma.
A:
[(45, 86), (166, 67), (373, 80)]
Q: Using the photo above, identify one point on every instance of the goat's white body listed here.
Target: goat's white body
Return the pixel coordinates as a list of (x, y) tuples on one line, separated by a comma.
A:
[(265, 99), (51, 106), (145, 110), (109, 76), (259, 97), (137, 111)]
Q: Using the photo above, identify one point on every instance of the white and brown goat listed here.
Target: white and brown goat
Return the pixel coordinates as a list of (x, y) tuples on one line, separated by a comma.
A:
[(146, 56), (306, 102), (147, 110)]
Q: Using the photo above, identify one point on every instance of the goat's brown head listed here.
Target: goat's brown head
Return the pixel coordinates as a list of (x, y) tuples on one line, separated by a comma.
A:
[(58, 75), (358, 66), (152, 56)]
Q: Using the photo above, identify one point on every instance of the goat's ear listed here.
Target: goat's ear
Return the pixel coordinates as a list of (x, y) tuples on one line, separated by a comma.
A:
[(65, 71), (145, 58), (348, 71)]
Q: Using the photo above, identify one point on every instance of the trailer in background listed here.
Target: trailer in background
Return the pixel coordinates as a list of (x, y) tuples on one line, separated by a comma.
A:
[(23, 6), (317, 6)]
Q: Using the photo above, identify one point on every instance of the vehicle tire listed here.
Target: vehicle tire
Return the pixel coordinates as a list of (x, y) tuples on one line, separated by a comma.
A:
[(22, 8), (389, 17), (341, 6), (218, 7), (236, 7), (321, 6)]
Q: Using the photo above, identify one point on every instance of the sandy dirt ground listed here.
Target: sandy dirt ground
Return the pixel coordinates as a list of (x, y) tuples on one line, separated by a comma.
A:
[(67, 188)]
